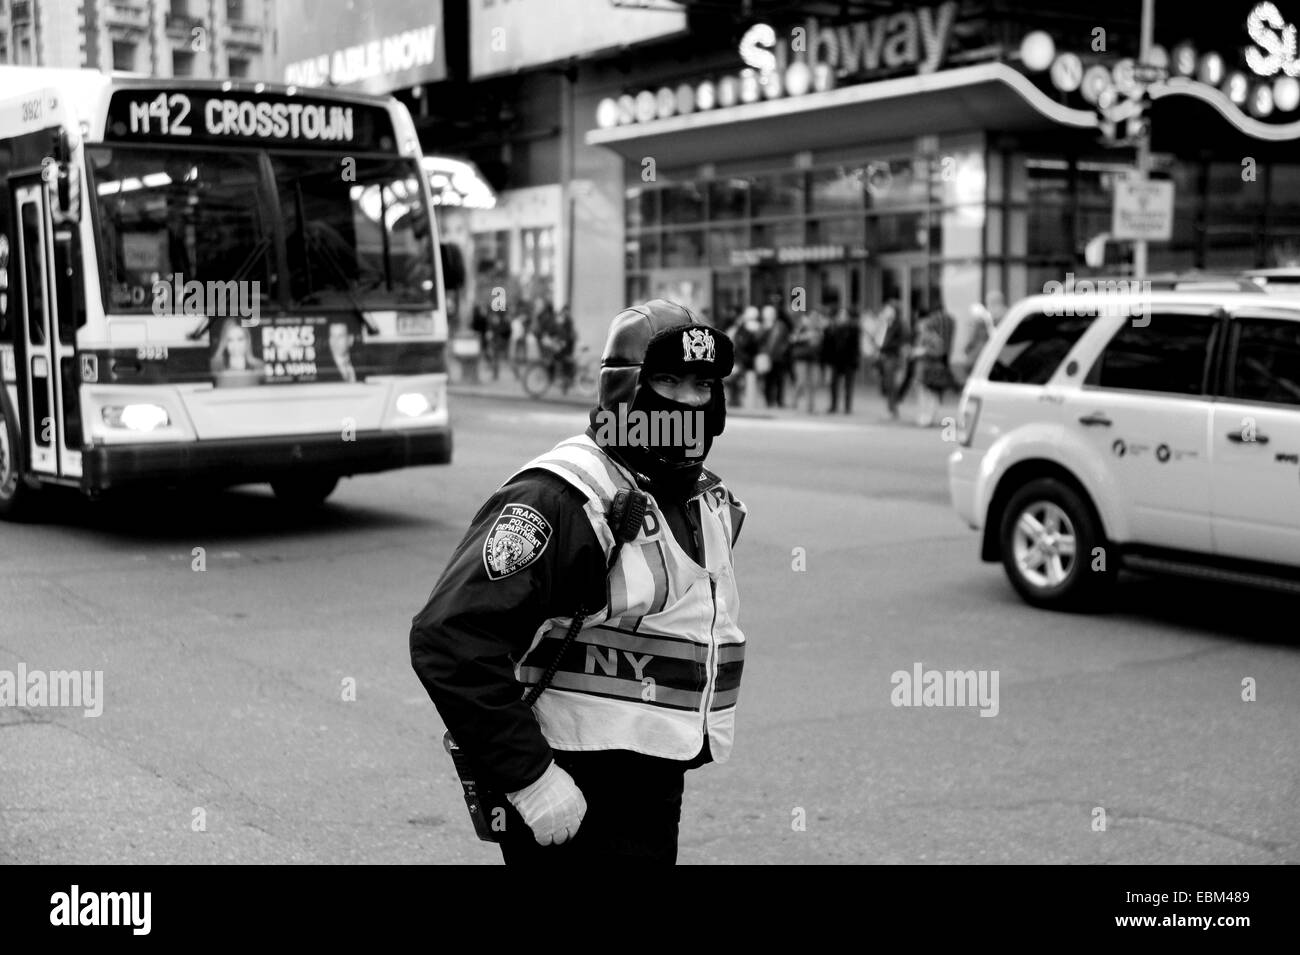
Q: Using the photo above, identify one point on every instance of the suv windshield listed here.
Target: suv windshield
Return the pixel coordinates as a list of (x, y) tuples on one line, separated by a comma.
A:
[(356, 229)]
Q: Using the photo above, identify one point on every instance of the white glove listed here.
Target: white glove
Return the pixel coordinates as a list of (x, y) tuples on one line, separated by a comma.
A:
[(553, 806)]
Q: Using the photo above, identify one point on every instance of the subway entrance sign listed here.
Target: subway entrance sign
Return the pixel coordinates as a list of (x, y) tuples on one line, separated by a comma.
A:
[(1143, 210)]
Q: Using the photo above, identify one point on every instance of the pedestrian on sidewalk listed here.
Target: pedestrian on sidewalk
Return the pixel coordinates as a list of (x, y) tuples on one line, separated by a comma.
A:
[(933, 342), (805, 350), (842, 347), (776, 346), (892, 358), (749, 340)]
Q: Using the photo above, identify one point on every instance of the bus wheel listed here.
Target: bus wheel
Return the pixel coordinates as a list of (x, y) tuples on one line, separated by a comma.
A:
[(306, 491), (16, 498)]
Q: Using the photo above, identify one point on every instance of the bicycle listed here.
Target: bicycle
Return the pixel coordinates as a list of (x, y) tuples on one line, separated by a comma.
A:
[(539, 374)]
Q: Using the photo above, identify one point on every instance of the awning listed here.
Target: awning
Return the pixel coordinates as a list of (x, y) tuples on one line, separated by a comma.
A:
[(984, 96)]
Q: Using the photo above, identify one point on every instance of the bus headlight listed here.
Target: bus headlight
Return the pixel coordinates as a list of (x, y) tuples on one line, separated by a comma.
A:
[(413, 404), (136, 417)]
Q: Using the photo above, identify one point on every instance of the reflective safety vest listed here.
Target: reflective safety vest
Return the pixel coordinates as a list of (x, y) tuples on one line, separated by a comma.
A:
[(659, 665)]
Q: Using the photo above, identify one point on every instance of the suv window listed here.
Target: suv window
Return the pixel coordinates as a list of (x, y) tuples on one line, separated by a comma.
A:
[(1036, 347), (1266, 366), (1169, 354)]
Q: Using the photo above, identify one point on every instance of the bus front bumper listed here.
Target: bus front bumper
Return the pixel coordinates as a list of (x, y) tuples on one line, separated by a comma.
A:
[(254, 460)]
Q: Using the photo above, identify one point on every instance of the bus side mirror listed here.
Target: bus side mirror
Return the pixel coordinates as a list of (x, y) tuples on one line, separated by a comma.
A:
[(67, 194), (66, 178)]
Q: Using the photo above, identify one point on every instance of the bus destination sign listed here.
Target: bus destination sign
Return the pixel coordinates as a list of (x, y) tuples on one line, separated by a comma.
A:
[(232, 118)]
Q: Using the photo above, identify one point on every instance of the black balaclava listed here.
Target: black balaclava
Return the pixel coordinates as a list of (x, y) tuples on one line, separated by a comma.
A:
[(654, 338)]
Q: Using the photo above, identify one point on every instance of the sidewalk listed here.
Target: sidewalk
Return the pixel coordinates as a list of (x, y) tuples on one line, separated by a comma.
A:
[(868, 404)]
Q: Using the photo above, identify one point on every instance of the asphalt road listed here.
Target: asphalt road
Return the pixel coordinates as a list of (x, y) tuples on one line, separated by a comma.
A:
[(225, 735)]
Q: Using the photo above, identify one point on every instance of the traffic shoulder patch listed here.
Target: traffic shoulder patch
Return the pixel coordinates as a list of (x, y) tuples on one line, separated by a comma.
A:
[(517, 539)]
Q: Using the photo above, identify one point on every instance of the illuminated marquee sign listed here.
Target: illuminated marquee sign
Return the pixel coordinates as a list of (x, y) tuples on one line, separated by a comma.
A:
[(1276, 39), (910, 38), (214, 117)]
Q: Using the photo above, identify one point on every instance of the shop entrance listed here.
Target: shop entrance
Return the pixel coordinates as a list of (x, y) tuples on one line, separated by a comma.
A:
[(901, 277)]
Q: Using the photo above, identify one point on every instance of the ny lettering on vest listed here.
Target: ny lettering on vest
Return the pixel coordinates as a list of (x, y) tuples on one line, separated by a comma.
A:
[(609, 662)]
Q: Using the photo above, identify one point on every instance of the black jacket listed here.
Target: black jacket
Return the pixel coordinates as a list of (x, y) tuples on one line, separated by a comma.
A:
[(466, 639)]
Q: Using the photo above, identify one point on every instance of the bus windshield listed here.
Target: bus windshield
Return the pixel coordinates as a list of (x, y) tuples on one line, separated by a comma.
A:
[(356, 231)]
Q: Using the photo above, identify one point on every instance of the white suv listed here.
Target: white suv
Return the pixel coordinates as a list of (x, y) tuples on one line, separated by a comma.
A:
[(1156, 431)]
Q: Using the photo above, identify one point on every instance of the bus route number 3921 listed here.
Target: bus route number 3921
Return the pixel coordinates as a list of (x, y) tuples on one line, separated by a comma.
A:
[(170, 112)]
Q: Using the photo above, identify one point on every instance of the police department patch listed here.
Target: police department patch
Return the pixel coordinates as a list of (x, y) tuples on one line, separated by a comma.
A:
[(515, 541)]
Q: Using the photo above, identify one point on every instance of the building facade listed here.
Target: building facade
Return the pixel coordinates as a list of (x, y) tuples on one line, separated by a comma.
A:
[(205, 38)]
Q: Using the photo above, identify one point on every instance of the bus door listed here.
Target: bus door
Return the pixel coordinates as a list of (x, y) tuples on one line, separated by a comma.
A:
[(44, 343)]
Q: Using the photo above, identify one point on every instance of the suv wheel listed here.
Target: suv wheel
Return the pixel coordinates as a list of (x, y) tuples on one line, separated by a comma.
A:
[(1049, 540)]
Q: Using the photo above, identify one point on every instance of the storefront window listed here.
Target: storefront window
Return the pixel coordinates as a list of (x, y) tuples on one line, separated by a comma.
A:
[(682, 204), (730, 290), (836, 190), (1045, 180), (777, 195), (729, 199), (777, 234), (1049, 230), (649, 250), (722, 242), (839, 231), (896, 233), (537, 270), (898, 184), (642, 208), (683, 248)]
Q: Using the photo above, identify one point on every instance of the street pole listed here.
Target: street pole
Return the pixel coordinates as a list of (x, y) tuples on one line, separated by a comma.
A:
[(1144, 141)]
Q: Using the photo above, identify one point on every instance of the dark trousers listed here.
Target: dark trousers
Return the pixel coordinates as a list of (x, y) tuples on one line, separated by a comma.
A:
[(842, 377), (774, 385), (634, 804), (891, 366)]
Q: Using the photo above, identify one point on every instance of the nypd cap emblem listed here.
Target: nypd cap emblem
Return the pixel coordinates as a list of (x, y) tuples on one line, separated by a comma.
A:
[(697, 345), (516, 540)]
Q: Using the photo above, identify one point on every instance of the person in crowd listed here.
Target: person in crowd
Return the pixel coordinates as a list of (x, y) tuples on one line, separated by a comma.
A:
[(776, 346), (891, 358), (559, 345), (519, 337), (933, 342), (748, 337), (499, 339), (981, 327), (805, 353), (869, 323), (842, 348)]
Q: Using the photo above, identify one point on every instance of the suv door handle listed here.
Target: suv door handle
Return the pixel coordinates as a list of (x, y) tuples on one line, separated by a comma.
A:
[(1239, 438), (1096, 418)]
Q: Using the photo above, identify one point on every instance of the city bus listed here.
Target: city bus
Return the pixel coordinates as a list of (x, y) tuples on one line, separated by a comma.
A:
[(217, 282)]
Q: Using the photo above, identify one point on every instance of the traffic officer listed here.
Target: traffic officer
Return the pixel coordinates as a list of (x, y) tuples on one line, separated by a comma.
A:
[(595, 770)]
